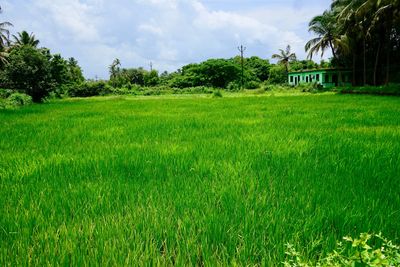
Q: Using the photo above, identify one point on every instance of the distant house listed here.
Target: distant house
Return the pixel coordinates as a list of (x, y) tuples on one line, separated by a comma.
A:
[(326, 77)]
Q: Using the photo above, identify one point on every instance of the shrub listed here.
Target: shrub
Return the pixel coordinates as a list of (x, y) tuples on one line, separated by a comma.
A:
[(5, 93), (194, 90), (217, 94), (123, 91), (12, 99), (3, 103), (19, 99), (277, 74), (253, 85), (233, 86), (267, 87), (149, 92), (310, 87), (391, 89), (90, 88), (367, 250)]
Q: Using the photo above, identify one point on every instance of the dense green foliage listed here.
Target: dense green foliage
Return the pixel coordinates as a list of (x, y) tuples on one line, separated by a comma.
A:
[(37, 73), (196, 180), (217, 73), (391, 89), (34, 71), (372, 250), (12, 99), (28, 70), (363, 35)]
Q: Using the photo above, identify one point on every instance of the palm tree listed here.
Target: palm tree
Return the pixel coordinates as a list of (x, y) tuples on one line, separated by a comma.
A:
[(3, 57), (353, 29), (4, 33), (24, 38), (285, 57), (114, 68), (324, 26), (372, 24), (384, 17), (4, 41)]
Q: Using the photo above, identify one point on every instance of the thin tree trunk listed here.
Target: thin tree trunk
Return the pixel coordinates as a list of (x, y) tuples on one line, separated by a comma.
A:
[(333, 50), (388, 48), (354, 69), (365, 62), (377, 62), (387, 66)]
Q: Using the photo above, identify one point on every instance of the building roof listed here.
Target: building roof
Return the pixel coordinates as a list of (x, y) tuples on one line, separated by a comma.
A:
[(319, 70)]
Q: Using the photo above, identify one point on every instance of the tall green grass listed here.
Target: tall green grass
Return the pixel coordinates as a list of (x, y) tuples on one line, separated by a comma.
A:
[(213, 181)]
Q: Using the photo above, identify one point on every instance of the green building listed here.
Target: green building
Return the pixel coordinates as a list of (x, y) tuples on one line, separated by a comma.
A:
[(326, 77)]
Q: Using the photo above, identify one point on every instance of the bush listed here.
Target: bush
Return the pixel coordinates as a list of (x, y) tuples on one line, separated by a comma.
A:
[(5, 93), (310, 87), (194, 90), (391, 89), (252, 85), (149, 92), (267, 87), (3, 103), (233, 86), (12, 99), (367, 250), (19, 99), (217, 94), (90, 88), (277, 74), (123, 91)]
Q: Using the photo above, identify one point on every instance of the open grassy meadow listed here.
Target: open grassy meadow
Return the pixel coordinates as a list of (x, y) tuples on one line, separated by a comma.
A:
[(195, 180)]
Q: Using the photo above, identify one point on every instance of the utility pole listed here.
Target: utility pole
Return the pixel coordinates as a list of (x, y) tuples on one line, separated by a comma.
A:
[(151, 66), (241, 50)]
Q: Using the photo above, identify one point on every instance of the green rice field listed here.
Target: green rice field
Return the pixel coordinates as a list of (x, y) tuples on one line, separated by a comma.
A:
[(195, 180)]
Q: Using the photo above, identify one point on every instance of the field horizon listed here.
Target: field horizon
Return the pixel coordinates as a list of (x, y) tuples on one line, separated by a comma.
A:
[(196, 180)]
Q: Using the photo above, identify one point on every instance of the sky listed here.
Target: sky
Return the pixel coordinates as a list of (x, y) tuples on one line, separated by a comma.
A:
[(168, 33)]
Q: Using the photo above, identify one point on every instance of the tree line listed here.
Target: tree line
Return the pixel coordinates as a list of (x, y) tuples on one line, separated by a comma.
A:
[(363, 35), (26, 68), (216, 73)]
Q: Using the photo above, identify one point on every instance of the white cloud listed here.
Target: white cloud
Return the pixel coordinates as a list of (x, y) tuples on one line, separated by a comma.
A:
[(170, 33), (76, 18)]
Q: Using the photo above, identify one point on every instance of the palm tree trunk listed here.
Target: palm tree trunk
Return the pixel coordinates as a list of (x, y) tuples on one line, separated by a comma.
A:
[(354, 69), (287, 68), (365, 62), (388, 48), (333, 50), (387, 67), (377, 62)]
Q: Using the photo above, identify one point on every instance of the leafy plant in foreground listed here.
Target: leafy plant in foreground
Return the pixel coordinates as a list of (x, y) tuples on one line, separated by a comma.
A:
[(367, 250)]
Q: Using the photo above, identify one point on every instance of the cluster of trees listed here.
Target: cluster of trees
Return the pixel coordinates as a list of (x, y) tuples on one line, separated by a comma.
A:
[(363, 35), (217, 73), (120, 77), (31, 70)]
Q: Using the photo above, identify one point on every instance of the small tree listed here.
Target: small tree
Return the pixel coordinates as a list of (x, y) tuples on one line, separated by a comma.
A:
[(28, 70), (285, 57), (59, 70), (277, 74), (151, 78), (75, 71)]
